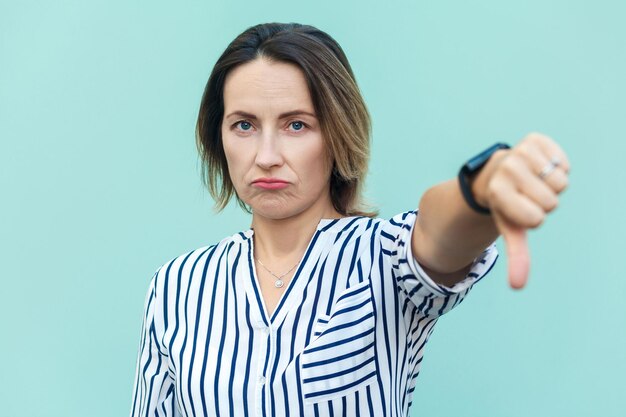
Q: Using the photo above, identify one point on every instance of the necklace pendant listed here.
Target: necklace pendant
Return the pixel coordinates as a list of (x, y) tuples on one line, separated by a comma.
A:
[(279, 283)]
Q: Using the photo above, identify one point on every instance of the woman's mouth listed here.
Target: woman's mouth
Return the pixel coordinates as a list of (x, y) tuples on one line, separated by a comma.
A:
[(270, 183)]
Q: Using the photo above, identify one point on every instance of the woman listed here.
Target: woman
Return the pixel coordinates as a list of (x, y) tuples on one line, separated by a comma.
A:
[(320, 308)]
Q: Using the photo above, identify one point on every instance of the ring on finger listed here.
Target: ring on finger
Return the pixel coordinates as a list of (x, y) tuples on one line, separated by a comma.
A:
[(551, 166)]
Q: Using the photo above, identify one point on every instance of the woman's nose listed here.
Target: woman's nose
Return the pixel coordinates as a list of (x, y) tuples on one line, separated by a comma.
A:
[(268, 152)]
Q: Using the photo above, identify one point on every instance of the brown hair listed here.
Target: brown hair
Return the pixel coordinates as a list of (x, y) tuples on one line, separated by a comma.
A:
[(340, 108)]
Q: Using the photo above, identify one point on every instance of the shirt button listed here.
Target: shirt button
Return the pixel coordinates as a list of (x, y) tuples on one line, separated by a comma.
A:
[(261, 380), (265, 330)]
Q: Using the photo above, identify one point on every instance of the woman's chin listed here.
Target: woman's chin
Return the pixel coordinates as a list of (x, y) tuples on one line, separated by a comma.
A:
[(282, 207), (273, 210)]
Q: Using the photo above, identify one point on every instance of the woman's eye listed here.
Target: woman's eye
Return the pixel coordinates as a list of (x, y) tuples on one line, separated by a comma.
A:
[(297, 125), (244, 125)]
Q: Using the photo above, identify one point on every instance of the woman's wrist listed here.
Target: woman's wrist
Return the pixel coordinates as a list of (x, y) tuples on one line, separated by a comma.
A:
[(479, 184)]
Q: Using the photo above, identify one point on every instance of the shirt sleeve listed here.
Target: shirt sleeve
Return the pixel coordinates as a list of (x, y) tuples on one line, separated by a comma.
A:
[(431, 298), (153, 391)]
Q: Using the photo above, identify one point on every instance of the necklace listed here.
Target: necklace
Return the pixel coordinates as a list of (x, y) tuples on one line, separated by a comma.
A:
[(279, 281)]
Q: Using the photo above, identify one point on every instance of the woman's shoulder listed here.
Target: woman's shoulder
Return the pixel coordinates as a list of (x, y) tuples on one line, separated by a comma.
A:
[(364, 223), (186, 262)]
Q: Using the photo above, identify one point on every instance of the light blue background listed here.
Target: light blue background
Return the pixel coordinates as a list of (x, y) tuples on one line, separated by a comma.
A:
[(100, 184)]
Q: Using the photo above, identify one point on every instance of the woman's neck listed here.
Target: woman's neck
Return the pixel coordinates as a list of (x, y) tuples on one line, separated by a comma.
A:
[(282, 242)]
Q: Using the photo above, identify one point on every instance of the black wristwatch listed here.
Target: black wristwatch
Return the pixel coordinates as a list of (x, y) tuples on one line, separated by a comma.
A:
[(469, 171)]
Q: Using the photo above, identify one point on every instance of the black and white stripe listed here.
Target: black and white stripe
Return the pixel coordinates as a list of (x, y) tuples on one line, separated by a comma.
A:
[(346, 338)]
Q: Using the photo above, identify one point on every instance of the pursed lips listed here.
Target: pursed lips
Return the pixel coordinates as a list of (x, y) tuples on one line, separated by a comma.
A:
[(270, 183)]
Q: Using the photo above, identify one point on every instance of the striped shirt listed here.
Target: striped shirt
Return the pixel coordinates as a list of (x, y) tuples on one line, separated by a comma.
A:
[(346, 338)]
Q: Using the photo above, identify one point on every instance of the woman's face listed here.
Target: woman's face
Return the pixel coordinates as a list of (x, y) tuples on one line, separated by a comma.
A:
[(277, 159)]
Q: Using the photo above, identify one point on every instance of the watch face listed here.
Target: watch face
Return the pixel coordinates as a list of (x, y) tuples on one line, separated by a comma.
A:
[(469, 171), (479, 160)]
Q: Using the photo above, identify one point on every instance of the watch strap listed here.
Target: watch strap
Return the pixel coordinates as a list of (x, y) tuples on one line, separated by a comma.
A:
[(470, 169)]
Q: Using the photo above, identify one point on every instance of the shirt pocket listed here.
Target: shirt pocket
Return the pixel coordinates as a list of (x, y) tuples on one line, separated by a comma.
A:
[(320, 325), (341, 357)]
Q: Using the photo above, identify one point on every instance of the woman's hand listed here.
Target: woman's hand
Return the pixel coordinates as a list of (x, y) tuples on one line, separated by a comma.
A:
[(519, 195)]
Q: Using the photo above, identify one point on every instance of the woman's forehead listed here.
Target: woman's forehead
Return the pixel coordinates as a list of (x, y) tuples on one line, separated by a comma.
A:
[(261, 85)]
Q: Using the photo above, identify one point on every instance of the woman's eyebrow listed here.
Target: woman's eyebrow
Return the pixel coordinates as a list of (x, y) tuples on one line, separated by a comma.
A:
[(281, 116)]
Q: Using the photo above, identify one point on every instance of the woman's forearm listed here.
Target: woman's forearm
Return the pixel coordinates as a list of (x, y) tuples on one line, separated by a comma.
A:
[(519, 186), (449, 234)]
